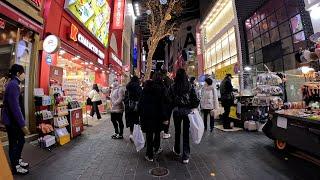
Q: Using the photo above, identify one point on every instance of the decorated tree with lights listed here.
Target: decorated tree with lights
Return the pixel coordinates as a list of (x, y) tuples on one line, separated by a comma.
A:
[(162, 22)]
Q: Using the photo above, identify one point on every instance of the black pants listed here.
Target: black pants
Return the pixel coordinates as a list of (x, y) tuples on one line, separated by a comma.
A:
[(16, 143), (132, 118), (95, 109), (153, 142), (206, 112), (225, 117), (178, 120), (116, 119)]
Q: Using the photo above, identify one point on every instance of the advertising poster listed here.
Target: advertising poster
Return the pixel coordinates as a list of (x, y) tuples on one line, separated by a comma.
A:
[(93, 14), (76, 122)]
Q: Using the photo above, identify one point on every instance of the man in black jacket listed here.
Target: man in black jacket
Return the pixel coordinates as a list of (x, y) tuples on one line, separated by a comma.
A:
[(227, 99)]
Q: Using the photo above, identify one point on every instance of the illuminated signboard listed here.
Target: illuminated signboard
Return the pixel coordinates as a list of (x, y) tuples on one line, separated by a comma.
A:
[(78, 37), (93, 14), (118, 14)]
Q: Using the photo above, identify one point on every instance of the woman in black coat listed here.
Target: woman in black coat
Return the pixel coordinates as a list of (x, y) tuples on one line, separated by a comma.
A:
[(132, 97), (152, 114)]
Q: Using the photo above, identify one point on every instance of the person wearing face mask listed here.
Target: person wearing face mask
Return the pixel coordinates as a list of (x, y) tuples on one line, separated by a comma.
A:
[(14, 120), (116, 97)]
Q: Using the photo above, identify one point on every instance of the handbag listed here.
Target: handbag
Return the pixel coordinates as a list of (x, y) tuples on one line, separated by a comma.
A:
[(89, 102)]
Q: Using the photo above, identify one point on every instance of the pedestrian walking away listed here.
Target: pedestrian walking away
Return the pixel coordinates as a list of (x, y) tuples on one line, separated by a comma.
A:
[(131, 100), (167, 108), (207, 103), (96, 101), (116, 97), (227, 99), (14, 120), (152, 113), (184, 98)]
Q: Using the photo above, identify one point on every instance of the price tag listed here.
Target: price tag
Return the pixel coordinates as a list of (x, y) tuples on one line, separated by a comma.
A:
[(282, 122), (78, 129), (77, 115), (56, 72)]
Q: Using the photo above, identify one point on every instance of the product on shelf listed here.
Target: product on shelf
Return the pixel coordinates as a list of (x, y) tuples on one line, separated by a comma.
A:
[(47, 141), (61, 122), (62, 111), (45, 128), (43, 100), (62, 135), (43, 115)]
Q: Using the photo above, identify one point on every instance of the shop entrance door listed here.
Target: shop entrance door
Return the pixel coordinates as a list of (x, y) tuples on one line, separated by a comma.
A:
[(15, 48)]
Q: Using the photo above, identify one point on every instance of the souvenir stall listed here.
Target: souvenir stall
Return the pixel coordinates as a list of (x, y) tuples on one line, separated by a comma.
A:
[(298, 123), (267, 96)]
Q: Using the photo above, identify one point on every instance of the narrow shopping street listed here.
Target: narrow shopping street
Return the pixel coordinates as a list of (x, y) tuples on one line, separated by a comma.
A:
[(221, 155)]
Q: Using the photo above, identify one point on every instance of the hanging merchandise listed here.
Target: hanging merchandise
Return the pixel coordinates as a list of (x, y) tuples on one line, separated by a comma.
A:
[(163, 2), (168, 17)]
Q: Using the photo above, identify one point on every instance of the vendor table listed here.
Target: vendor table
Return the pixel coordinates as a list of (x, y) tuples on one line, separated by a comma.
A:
[(299, 132)]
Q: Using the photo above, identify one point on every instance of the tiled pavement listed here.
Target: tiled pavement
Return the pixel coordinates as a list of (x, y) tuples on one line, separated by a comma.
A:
[(232, 155)]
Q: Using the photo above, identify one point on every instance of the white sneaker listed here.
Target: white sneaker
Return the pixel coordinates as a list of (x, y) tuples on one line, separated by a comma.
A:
[(185, 161), (174, 152), (20, 170), (148, 159), (131, 138), (23, 164), (166, 136), (159, 151)]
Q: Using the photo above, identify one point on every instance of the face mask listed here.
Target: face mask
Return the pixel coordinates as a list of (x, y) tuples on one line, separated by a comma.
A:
[(22, 77)]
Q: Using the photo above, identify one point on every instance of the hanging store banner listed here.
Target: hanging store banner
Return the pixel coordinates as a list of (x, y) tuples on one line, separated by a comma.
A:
[(118, 15)]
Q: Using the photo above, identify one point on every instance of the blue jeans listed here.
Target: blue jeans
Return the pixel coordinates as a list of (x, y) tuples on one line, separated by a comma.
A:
[(178, 120), (16, 143)]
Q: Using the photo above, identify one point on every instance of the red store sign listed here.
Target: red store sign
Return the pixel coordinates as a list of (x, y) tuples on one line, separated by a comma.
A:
[(76, 36), (118, 15)]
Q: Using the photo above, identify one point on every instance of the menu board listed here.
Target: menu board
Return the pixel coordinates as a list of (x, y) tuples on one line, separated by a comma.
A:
[(93, 14)]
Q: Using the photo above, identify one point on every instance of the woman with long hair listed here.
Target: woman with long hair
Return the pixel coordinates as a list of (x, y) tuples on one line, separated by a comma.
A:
[(152, 113), (184, 99), (94, 95), (13, 119), (132, 97)]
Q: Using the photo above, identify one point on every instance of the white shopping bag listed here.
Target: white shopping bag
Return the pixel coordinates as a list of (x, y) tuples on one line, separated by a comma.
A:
[(138, 138), (196, 126)]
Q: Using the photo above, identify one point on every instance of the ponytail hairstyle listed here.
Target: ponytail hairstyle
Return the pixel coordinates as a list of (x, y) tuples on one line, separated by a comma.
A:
[(15, 69)]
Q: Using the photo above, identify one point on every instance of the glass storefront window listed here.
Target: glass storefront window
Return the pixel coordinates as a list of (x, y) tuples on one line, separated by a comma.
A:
[(281, 15), (257, 43), (287, 45), (274, 35), (225, 48), (284, 29), (265, 39)]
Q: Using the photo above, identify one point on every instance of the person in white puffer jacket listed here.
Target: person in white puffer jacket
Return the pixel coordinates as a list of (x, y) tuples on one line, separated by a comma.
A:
[(207, 103), (117, 109), (96, 101)]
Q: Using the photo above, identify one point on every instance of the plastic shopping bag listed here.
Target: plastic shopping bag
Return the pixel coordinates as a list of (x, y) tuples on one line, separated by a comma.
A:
[(196, 126), (138, 138)]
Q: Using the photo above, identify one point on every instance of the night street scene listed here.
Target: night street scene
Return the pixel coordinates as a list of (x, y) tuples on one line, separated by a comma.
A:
[(159, 89)]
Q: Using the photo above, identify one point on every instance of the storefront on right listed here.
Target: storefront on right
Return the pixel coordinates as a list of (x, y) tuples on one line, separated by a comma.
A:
[(281, 74)]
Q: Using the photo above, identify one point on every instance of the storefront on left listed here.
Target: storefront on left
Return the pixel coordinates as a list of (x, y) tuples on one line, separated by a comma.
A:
[(20, 32), (73, 60)]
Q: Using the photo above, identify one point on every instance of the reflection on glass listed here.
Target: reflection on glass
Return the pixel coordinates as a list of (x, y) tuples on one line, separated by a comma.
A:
[(296, 24), (299, 37)]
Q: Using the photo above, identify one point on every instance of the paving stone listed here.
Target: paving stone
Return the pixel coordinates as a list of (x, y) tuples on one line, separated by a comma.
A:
[(220, 155)]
